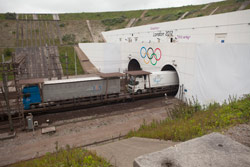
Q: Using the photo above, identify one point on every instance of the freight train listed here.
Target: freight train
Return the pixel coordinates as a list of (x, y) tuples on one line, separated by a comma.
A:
[(60, 92)]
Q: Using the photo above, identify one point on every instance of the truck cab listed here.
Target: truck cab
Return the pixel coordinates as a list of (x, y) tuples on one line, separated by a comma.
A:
[(136, 84), (142, 81), (31, 96)]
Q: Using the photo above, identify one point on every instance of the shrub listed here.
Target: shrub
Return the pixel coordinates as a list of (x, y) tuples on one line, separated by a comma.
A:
[(169, 17), (114, 21), (147, 14), (10, 16), (69, 38), (84, 40), (180, 14), (155, 17), (7, 52), (62, 25), (107, 29), (240, 1), (190, 121)]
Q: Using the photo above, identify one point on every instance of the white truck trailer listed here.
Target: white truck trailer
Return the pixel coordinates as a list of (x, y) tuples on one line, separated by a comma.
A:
[(161, 79)]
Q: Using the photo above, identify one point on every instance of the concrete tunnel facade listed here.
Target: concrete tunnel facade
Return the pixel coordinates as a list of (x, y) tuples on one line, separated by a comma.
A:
[(210, 54)]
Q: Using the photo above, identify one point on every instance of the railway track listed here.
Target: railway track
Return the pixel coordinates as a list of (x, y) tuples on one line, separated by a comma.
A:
[(36, 41), (94, 109), (72, 104)]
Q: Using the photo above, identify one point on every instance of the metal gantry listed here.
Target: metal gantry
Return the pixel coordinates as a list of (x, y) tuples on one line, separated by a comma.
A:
[(10, 95)]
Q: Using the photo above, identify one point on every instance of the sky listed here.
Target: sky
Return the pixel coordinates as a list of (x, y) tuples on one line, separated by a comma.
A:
[(76, 6)]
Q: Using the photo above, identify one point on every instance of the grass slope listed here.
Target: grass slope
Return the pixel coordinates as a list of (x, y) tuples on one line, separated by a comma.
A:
[(71, 60), (66, 158), (75, 23), (192, 121)]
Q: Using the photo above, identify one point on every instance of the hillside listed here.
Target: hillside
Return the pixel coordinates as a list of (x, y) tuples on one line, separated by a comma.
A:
[(27, 30), (75, 24)]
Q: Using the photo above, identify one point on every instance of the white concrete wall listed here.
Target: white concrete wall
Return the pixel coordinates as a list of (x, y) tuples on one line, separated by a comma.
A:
[(105, 56), (231, 27), (209, 72)]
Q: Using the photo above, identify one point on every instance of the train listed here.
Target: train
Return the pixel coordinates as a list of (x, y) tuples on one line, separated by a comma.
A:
[(59, 92)]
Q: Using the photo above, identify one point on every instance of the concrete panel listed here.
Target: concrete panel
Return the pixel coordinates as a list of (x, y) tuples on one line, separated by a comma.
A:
[(105, 57), (210, 150), (184, 58), (122, 153)]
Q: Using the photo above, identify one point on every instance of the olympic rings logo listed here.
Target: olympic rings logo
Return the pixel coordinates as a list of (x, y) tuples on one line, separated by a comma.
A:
[(149, 54)]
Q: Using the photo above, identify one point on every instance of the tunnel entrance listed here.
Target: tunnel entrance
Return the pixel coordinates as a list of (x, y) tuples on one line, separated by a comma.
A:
[(169, 67), (134, 65)]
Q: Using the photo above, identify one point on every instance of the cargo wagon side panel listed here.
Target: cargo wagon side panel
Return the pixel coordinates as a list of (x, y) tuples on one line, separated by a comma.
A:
[(64, 91)]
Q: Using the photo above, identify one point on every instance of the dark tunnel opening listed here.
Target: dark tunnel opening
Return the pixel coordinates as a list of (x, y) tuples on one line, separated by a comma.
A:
[(169, 67), (134, 65)]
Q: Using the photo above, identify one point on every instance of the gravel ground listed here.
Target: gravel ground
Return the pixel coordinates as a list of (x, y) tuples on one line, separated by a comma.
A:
[(82, 127), (240, 133), (116, 108)]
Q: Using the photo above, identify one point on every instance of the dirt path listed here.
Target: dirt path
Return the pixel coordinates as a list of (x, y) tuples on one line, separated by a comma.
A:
[(131, 22), (91, 32), (80, 133), (244, 5)]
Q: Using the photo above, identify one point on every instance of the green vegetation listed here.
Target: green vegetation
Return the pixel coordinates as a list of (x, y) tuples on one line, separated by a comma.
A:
[(248, 6), (240, 0), (105, 21), (192, 121), (178, 11), (7, 52), (71, 60), (224, 6), (2, 16), (114, 21), (100, 16), (84, 40), (169, 17), (45, 16), (62, 25), (66, 158), (69, 39), (10, 16), (155, 17)]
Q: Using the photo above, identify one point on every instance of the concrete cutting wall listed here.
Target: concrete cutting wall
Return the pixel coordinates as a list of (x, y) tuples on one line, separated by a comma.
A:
[(208, 72), (210, 54), (210, 150)]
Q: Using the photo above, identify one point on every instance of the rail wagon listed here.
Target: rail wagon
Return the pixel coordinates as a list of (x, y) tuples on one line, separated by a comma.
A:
[(79, 88), (101, 89), (57, 91)]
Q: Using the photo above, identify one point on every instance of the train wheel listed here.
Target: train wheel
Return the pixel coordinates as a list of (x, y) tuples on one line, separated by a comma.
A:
[(139, 91)]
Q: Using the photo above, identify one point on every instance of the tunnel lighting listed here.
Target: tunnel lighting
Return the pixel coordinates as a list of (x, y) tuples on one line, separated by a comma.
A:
[(129, 57)]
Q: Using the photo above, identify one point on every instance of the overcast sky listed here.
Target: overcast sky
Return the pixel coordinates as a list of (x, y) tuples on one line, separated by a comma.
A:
[(66, 6)]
